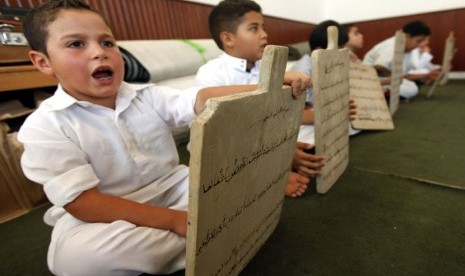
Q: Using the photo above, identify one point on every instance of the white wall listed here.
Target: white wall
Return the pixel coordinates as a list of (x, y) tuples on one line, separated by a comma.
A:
[(364, 10), (298, 10), (344, 11)]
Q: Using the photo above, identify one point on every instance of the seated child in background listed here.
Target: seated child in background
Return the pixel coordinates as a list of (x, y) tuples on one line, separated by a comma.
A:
[(237, 28), (319, 40), (355, 42), (103, 150), (421, 61), (381, 55)]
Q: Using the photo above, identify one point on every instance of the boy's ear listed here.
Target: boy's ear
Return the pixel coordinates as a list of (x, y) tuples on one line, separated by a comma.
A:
[(227, 39), (41, 62)]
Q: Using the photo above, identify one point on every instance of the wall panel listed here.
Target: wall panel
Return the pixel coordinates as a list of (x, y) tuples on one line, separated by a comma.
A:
[(441, 23), (168, 19), (171, 19)]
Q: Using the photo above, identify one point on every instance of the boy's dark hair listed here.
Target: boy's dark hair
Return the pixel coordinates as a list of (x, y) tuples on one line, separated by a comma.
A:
[(319, 36), (416, 28), (38, 19), (348, 26), (227, 16)]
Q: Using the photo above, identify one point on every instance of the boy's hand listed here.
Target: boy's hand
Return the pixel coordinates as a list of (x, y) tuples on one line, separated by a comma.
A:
[(352, 110), (433, 75), (305, 163), (299, 81), (430, 78), (180, 222)]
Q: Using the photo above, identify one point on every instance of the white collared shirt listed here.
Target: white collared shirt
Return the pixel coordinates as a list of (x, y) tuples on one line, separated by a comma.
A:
[(226, 70), (71, 146)]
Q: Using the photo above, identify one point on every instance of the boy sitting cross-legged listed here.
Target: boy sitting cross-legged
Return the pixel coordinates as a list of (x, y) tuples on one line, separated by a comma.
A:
[(103, 150)]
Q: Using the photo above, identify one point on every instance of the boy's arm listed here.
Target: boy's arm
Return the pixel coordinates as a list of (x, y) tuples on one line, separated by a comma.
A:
[(385, 80), (219, 91), (414, 77), (382, 71), (429, 77), (298, 81), (308, 115), (93, 206)]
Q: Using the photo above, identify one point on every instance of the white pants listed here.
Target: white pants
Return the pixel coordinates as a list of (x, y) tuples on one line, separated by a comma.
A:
[(122, 248), (353, 131), (306, 134), (408, 89)]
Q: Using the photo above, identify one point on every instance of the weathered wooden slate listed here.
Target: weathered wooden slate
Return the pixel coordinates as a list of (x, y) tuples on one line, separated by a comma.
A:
[(366, 90), (397, 71), (330, 77), (448, 56), (241, 152)]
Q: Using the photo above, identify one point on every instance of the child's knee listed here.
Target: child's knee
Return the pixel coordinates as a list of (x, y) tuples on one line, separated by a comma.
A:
[(119, 248)]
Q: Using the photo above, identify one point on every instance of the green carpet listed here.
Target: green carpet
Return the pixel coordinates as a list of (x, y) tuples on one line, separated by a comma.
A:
[(383, 217), (368, 224), (428, 141), (24, 243)]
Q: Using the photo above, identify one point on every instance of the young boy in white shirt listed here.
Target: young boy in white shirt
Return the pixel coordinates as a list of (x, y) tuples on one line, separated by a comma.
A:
[(381, 55), (103, 150), (238, 29), (318, 39), (421, 62)]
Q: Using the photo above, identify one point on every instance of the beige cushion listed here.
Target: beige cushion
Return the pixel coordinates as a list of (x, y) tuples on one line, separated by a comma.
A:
[(168, 59), (164, 59)]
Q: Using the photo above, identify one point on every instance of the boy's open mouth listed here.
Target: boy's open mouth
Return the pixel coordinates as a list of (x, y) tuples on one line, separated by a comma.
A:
[(102, 74)]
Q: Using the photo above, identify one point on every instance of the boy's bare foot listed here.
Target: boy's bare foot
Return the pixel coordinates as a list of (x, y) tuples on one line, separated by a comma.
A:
[(296, 185)]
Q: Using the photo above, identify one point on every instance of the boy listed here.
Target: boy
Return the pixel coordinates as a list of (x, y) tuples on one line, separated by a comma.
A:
[(421, 62), (381, 55), (319, 40), (103, 150), (237, 28), (355, 42)]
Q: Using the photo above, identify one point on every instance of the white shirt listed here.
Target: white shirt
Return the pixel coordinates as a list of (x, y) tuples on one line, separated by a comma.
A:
[(383, 53), (304, 65), (71, 146), (227, 70), (421, 62)]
